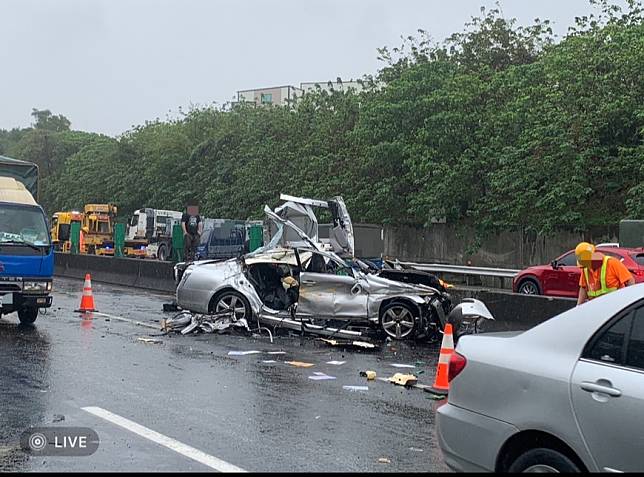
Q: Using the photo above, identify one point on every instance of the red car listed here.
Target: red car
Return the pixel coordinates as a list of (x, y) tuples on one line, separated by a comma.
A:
[(561, 277)]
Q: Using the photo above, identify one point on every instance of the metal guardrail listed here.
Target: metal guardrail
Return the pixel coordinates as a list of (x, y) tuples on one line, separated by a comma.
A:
[(463, 270)]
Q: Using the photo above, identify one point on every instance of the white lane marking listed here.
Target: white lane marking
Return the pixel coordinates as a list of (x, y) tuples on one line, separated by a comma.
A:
[(128, 320), (170, 443)]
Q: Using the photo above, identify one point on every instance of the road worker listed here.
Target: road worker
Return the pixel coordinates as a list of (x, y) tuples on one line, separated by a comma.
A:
[(600, 273)]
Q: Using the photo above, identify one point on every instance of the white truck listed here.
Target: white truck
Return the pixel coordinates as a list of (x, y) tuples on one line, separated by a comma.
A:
[(151, 230)]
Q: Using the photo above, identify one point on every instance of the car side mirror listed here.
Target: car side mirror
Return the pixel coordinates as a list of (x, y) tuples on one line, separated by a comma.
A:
[(554, 265)]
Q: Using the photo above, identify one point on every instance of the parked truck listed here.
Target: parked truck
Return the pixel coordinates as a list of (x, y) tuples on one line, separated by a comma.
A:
[(61, 223), (98, 229), (26, 251), (151, 230)]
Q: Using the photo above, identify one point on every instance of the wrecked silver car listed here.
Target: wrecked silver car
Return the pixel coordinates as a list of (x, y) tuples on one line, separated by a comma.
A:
[(300, 283)]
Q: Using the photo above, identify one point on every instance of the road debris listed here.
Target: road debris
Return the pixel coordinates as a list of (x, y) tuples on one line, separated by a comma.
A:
[(336, 363), (403, 379), (396, 365), (321, 377), (370, 375), (269, 361), (384, 460), (356, 388), (345, 342), (434, 397), (186, 322), (149, 340), (171, 307), (299, 364), (242, 353)]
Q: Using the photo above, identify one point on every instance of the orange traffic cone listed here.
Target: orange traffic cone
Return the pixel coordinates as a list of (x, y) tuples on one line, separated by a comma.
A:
[(87, 301), (441, 382)]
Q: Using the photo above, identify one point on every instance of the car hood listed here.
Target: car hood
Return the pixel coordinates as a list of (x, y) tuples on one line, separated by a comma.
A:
[(535, 269)]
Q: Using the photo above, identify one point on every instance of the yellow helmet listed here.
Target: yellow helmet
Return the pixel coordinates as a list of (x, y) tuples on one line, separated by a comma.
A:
[(584, 252)]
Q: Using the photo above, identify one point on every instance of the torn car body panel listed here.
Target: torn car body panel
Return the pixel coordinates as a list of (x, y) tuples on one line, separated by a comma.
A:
[(299, 211)]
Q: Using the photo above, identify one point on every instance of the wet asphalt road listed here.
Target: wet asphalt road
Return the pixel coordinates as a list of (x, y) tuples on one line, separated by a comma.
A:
[(254, 415)]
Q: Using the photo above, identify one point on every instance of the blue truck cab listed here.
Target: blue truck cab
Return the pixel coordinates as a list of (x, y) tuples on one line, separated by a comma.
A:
[(26, 253)]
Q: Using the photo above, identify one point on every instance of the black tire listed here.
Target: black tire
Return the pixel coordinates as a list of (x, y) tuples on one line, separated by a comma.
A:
[(398, 320), (529, 286), (225, 299), (543, 460), (162, 253), (27, 315)]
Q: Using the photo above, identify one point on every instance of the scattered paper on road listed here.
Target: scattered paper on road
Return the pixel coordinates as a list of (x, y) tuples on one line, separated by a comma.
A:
[(276, 352), (396, 365), (299, 364), (269, 361), (335, 363), (321, 377), (242, 353)]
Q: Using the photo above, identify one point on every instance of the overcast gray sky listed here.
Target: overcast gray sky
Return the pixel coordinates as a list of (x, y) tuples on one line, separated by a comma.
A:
[(110, 64)]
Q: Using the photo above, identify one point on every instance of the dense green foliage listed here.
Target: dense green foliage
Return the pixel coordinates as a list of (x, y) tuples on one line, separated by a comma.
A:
[(497, 126)]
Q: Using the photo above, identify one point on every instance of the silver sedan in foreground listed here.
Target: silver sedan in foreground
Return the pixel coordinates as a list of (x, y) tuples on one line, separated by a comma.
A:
[(565, 396)]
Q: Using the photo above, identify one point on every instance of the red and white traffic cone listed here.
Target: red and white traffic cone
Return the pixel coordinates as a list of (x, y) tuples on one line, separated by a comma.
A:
[(87, 301), (441, 382)]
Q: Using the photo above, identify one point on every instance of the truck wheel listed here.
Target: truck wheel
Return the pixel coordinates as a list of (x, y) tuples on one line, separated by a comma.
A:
[(27, 315), (162, 254)]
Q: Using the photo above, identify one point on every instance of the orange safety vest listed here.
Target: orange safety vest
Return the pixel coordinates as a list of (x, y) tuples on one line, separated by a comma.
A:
[(602, 280)]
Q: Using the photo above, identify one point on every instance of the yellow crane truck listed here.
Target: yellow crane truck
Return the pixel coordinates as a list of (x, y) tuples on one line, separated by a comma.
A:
[(98, 229), (61, 223)]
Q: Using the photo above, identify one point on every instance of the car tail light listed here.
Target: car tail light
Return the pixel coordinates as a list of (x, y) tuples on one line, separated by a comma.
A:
[(638, 272), (456, 364)]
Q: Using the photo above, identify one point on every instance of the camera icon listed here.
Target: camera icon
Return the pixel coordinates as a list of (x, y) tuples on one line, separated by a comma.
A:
[(37, 441)]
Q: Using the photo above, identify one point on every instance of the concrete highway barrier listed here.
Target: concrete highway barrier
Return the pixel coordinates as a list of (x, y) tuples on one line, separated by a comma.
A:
[(133, 272), (514, 311)]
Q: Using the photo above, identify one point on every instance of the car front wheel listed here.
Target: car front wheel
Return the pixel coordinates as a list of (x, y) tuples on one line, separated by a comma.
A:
[(398, 320), (529, 287), (543, 460)]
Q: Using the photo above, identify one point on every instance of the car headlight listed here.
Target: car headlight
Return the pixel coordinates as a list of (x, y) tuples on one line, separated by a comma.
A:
[(37, 286)]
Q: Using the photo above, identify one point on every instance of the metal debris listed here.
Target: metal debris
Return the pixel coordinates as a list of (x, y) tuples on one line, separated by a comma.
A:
[(149, 340), (186, 322), (344, 342)]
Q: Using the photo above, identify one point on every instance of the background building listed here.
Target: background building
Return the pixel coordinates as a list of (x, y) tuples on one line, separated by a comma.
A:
[(278, 95)]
